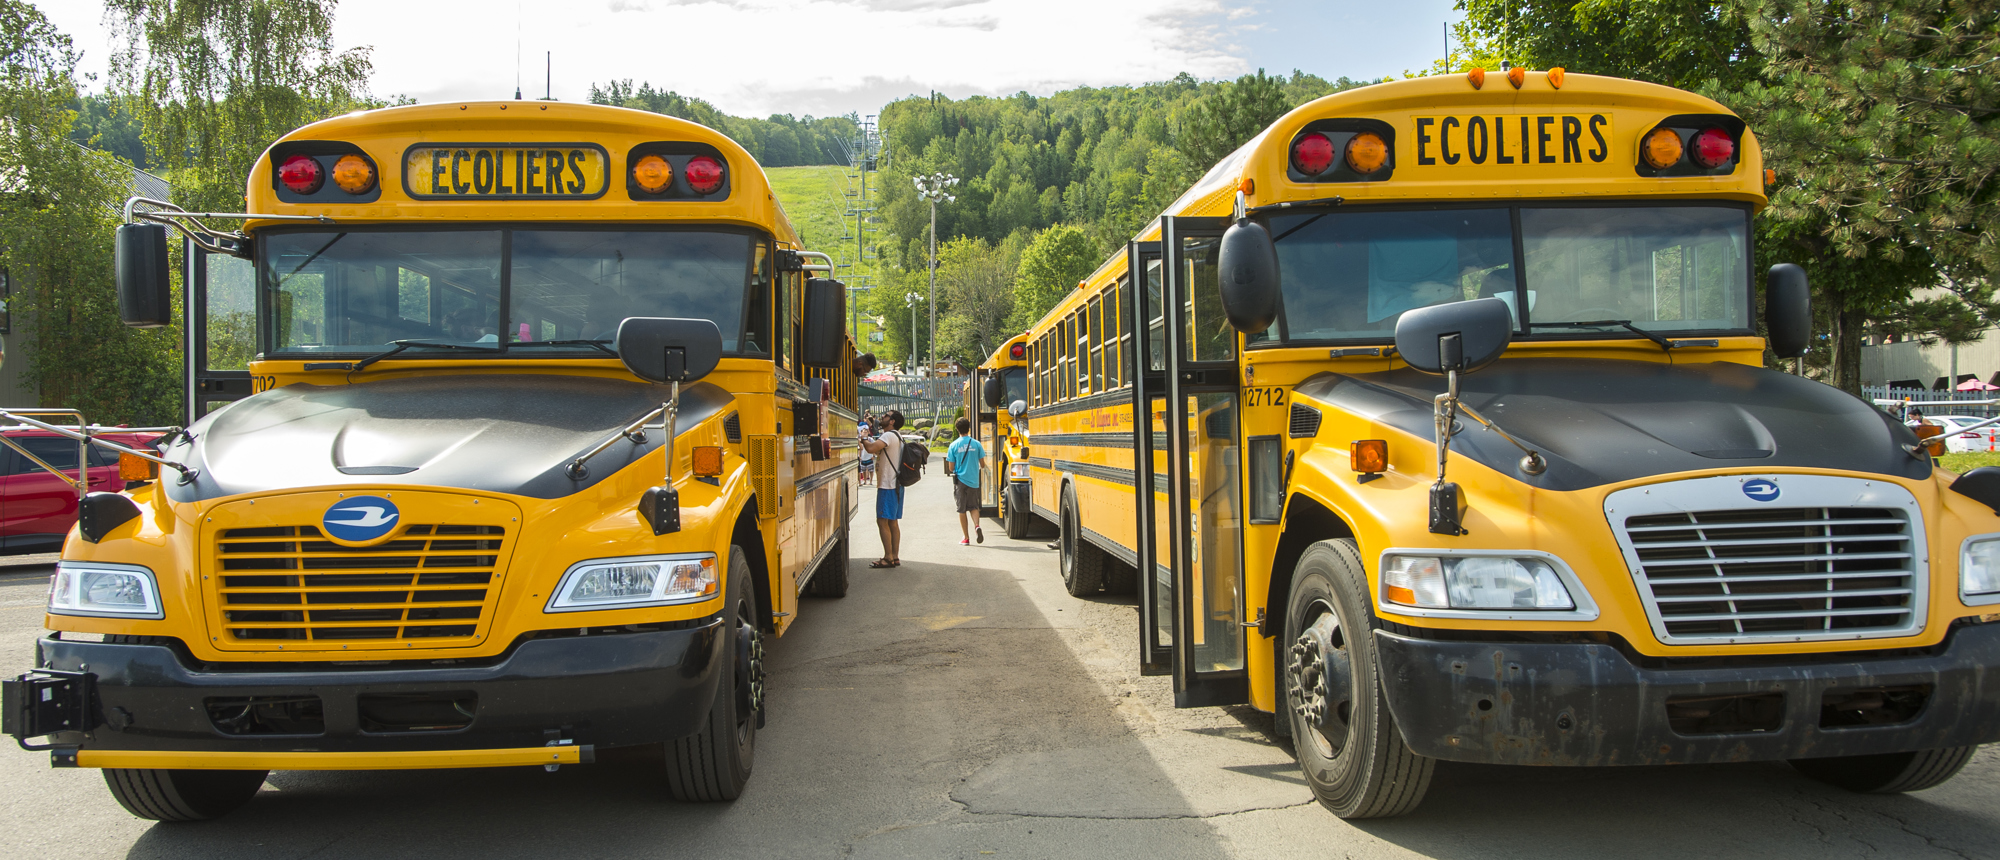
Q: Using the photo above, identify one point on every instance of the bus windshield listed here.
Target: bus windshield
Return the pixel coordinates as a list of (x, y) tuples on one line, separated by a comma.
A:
[(359, 291), (1349, 274)]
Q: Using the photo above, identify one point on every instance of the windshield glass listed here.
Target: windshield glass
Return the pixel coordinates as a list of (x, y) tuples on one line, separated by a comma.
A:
[(1015, 381), (1349, 274), (358, 291)]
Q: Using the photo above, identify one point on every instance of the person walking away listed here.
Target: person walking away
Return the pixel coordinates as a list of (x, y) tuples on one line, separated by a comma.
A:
[(887, 446), (967, 457)]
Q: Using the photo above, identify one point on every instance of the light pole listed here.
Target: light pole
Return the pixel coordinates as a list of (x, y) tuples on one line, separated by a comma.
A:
[(932, 188), (911, 300)]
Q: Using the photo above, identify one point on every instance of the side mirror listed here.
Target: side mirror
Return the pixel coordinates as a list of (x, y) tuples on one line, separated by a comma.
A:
[(1460, 336), (993, 390), (145, 298), (1249, 276), (1017, 407), (1788, 310), (664, 349), (825, 323)]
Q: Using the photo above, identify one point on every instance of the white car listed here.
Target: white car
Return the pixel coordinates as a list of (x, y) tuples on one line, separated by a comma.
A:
[(1984, 439)]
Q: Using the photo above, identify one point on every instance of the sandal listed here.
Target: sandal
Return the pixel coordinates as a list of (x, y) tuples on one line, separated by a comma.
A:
[(881, 563)]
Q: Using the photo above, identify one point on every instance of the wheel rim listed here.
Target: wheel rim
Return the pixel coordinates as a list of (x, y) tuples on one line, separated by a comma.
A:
[(1068, 548), (749, 678), (1319, 681)]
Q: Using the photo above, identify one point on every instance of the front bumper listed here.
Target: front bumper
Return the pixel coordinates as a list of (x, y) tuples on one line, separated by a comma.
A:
[(605, 690), (1586, 704)]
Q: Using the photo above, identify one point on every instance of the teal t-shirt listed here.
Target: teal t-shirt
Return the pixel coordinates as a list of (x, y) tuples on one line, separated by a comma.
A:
[(964, 456)]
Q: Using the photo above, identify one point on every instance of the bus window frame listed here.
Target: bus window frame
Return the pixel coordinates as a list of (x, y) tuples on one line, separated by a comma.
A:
[(266, 335), (1513, 208)]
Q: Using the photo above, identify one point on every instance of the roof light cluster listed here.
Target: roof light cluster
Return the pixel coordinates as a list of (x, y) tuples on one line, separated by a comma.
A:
[(1320, 155), (1688, 146), (306, 175)]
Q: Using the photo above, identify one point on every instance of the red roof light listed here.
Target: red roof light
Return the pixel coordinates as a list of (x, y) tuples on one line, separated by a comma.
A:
[(1018, 351), (1713, 148), (704, 174), (1312, 154), (302, 174)]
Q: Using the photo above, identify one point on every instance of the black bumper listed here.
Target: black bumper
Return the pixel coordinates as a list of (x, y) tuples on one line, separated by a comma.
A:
[(602, 690), (1586, 704)]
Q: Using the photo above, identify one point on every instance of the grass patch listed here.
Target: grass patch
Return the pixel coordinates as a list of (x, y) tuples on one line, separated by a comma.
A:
[(1968, 461)]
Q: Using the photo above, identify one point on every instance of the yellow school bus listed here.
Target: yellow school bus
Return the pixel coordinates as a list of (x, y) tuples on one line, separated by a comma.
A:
[(516, 428), (997, 392), (1457, 395)]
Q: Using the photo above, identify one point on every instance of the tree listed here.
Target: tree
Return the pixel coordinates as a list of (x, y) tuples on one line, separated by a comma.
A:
[(1052, 265), (1221, 121), (59, 209), (216, 81), (975, 295)]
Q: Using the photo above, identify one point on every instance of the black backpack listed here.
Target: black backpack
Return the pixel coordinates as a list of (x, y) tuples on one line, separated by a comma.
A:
[(910, 466)]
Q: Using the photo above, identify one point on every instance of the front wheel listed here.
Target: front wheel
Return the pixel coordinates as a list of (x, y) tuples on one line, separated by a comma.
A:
[(714, 763), (182, 795), (1891, 773), (1018, 519), (1349, 748)]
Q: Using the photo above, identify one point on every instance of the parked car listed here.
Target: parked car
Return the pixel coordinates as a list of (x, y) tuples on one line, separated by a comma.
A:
[(1955, 441), (37, 508)]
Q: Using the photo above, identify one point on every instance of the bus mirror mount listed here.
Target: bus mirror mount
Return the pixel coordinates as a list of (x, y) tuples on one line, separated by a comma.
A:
[(1788, 310), (145, 296), (825, 323), (994, 390), (1017, 408), (1248, 271)]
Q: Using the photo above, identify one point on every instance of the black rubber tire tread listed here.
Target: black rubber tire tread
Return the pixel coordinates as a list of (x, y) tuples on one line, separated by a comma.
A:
[(1891, 773), (182, 795), (709, 765), (1082, 563), (1019, 521), (831, 578), (1387, 779)]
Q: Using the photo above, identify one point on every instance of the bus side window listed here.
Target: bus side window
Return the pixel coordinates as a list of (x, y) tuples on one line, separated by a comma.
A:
[(1114, 334), (757, 311), (787, 293), (1094, 332), (1079, 330)]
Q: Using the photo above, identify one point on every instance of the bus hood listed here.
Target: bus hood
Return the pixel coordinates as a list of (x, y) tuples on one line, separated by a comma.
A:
[(500, 433), (1605, 421)]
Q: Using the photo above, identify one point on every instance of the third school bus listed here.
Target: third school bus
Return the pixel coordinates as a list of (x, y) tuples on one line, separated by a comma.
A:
[(1462, 447)]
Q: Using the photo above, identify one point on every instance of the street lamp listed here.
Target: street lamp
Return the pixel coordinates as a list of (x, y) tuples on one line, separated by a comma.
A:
[(932, 188)]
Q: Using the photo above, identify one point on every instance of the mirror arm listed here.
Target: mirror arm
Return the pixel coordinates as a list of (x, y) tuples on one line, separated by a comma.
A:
[(187, 475), (1444, 406), (1534, 463), (205, 237), (671, 409), (826, 264), (577, 469)]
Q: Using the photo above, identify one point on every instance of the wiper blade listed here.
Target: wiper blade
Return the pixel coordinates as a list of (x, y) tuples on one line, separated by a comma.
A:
[(601, 345), (1663, 342), (400, 346)]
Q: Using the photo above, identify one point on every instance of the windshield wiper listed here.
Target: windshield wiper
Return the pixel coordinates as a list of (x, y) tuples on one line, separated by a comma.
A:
[(1663, 342), (600, 344), (401, 345)]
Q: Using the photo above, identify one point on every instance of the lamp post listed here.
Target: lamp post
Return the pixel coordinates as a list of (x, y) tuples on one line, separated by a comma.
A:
[(932, 188), (911, 299)]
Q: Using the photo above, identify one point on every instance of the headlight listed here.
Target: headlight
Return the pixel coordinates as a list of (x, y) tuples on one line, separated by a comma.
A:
[(1017, 472), (652, 580), (1979, 571), (100, 589), (1473, 582)]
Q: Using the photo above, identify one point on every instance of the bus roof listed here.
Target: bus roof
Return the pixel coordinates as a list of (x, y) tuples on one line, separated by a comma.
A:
[(397, 137), (1002, 356)]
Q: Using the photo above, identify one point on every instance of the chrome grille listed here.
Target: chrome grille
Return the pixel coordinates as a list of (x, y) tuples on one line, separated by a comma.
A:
[(1771, 573), (429, 583)]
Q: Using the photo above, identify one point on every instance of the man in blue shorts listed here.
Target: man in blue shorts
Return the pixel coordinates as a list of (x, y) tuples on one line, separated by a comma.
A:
[(887, 446)]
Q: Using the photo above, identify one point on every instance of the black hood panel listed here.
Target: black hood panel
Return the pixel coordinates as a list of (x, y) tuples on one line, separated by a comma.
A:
[(1604, 421), (502, 433)]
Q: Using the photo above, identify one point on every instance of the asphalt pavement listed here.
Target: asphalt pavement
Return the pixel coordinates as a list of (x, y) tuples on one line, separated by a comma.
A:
[(963, 705)]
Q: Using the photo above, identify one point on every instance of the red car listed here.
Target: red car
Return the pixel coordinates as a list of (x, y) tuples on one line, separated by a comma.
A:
[(37, 508)]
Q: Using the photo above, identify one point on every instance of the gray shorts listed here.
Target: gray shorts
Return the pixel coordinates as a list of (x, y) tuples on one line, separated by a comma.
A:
[(967, 497)]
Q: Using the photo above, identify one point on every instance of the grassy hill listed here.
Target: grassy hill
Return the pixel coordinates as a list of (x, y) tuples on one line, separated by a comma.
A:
[(816, 200)]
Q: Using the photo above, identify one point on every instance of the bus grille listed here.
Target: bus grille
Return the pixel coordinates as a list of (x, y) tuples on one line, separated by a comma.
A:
[(431, 584), (764, 474), (1776, 574)]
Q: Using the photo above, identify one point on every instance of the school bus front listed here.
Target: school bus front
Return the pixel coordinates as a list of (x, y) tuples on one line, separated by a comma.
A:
[(548, 434)]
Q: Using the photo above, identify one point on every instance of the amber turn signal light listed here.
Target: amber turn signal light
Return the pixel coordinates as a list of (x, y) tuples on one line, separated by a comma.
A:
[(354, 174), (1517, 76), (131, 468), (1366, 153), (1477, 76), (1556, 77), (1369, 456), (1662, 148), (653, 174), (707, 461)]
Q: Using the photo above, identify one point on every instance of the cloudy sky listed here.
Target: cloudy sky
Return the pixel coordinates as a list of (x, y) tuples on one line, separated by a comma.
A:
[(827, 57)]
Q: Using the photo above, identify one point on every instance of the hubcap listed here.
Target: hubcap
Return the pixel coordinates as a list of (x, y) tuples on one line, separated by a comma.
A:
[(1319, 681), (749, 674)]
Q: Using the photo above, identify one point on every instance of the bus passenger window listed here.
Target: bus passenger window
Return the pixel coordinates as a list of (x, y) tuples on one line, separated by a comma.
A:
[(1114, 336), (1095, 334)]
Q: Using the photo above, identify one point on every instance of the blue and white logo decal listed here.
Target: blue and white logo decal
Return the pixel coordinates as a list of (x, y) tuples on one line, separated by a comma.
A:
[(361, 519), (1760, 490)]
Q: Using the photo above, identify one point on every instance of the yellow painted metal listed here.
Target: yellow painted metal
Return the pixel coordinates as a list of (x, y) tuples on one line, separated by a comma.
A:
[(399, 760)]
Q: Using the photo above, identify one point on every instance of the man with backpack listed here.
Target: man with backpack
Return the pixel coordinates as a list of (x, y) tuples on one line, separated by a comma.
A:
[(891, 477), (966, 457)]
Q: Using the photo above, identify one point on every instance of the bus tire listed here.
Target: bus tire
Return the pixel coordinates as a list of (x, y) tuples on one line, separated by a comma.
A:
[(831, 578), (1891, 773), (714, 764), (1019, 520), (1082, 562), (1349, 748), (182, 795)]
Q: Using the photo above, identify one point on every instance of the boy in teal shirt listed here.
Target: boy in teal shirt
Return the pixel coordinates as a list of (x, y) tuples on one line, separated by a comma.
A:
[(965, 457)]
